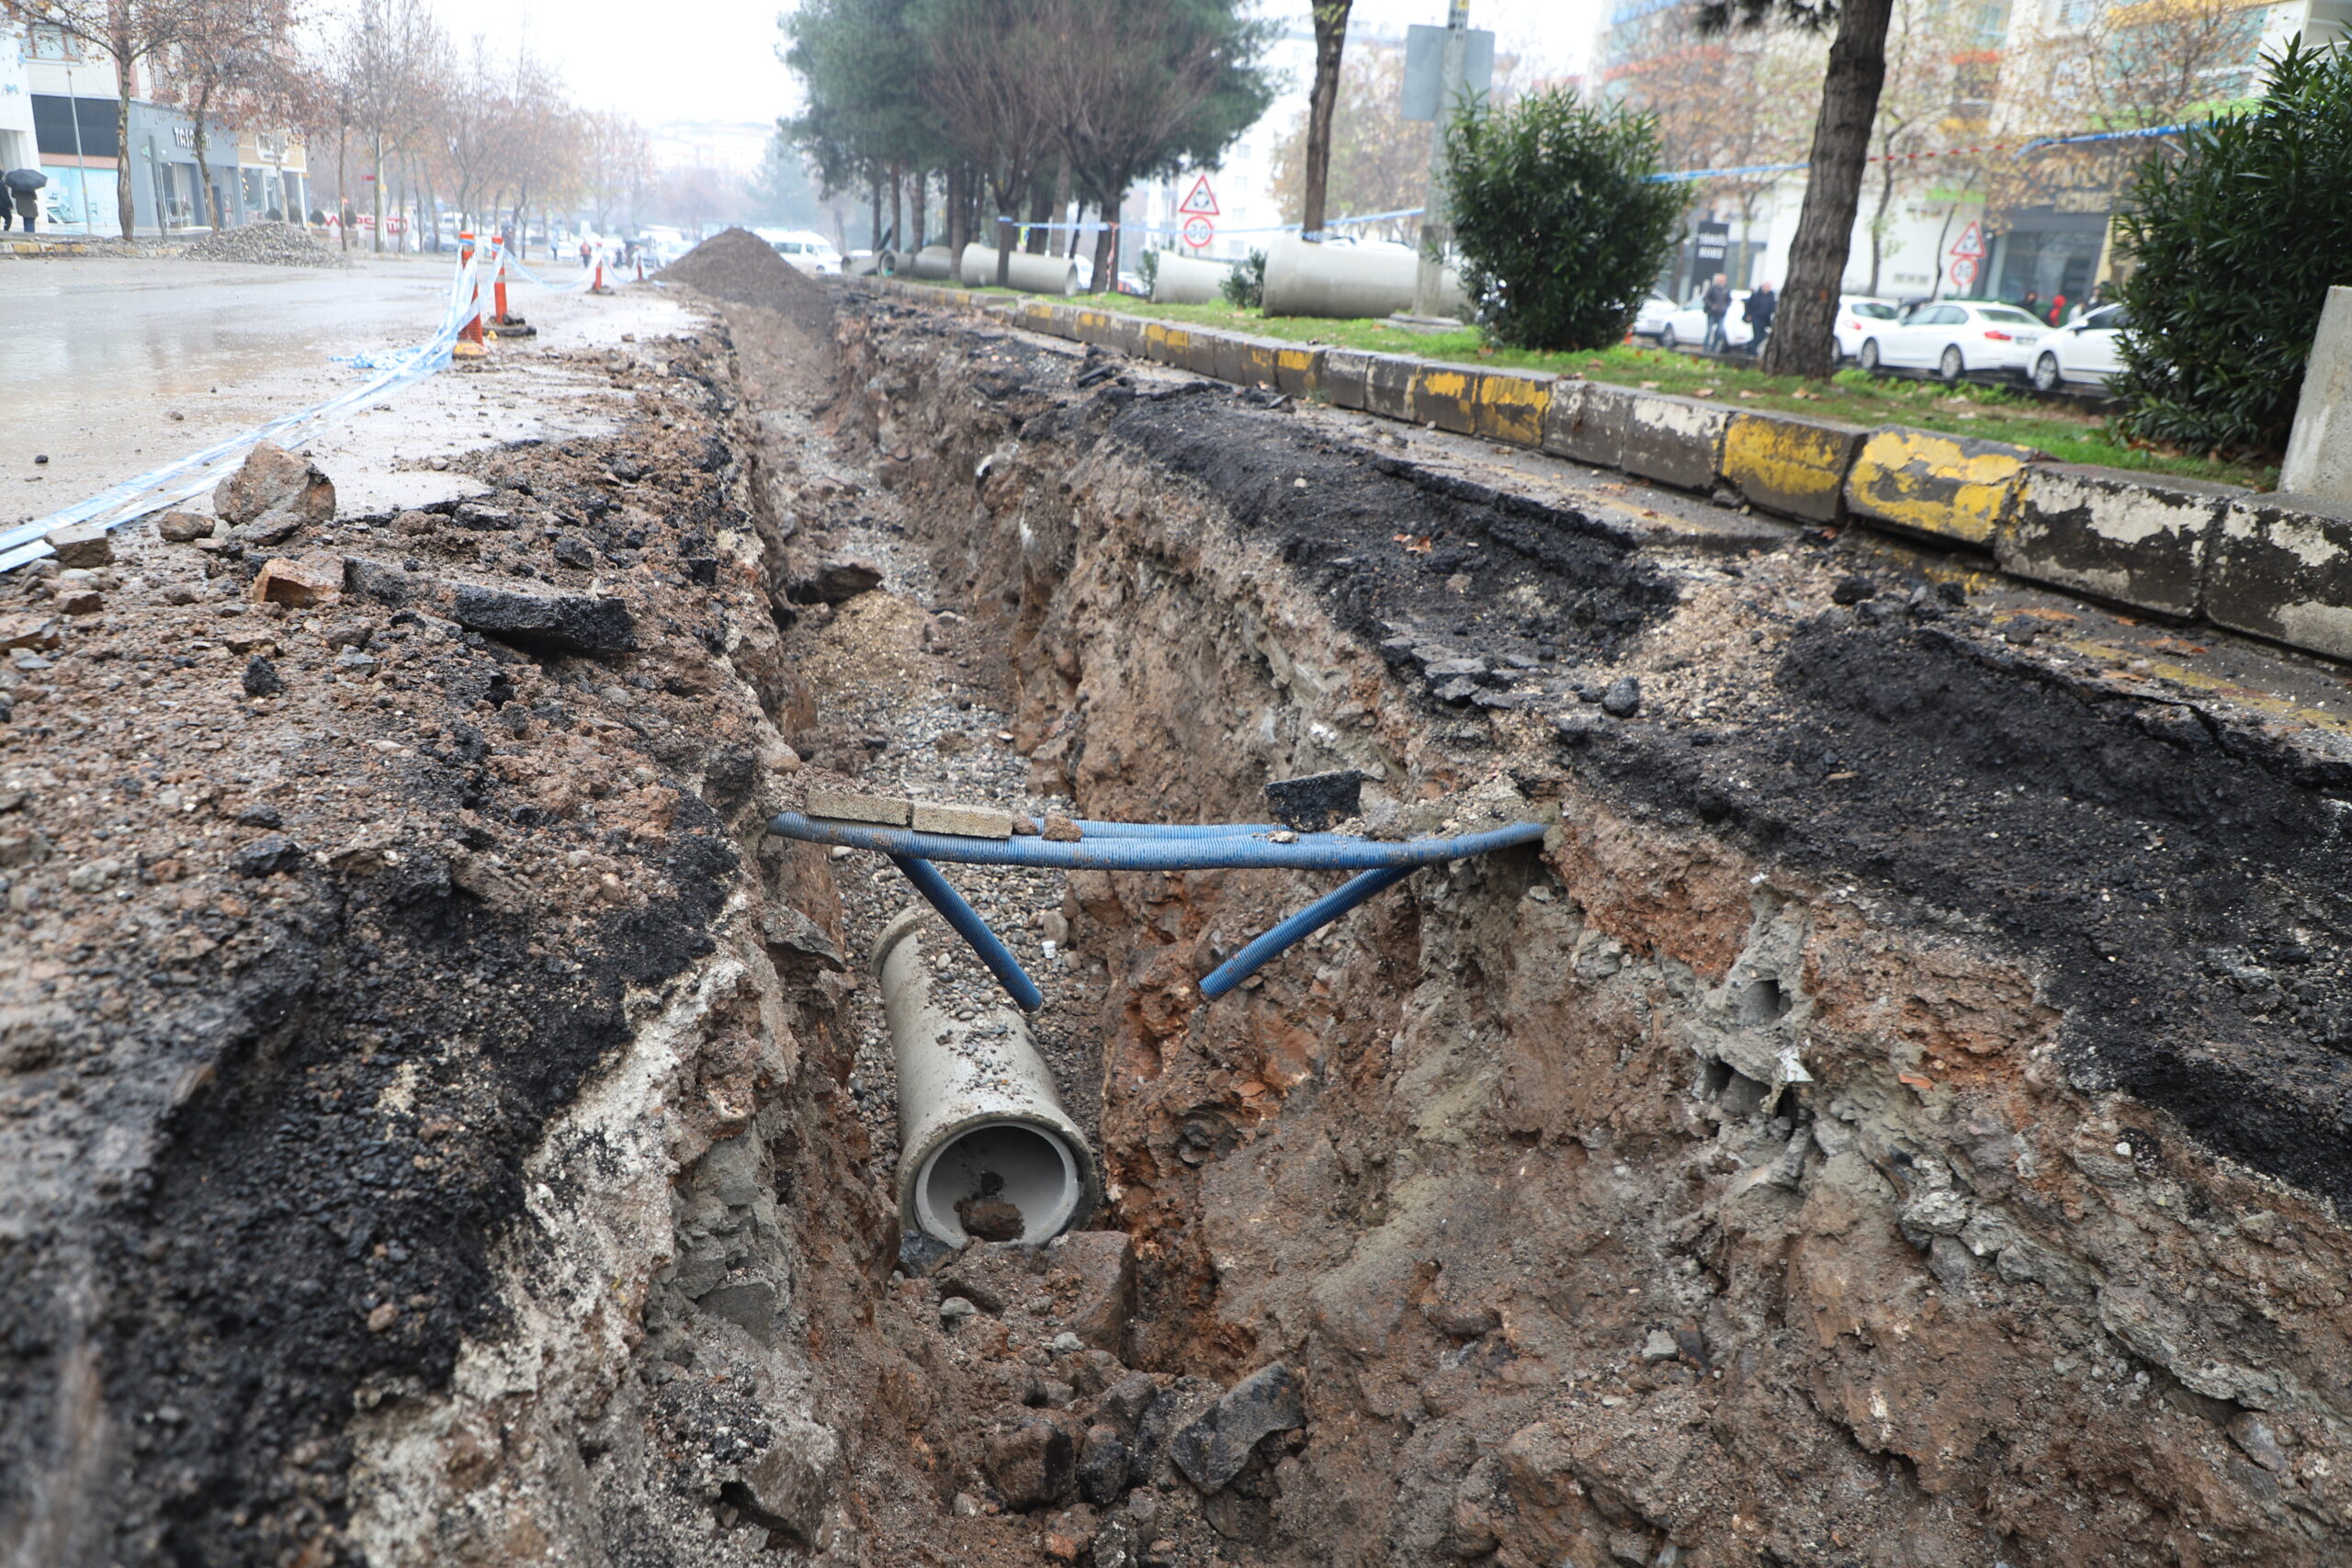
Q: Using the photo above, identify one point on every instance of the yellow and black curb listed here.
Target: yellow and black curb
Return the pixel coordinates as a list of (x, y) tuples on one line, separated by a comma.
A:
[(2276, 566)]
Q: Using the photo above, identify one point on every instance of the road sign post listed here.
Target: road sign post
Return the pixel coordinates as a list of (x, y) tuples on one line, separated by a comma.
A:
[(1966, 253), (1199, 232)]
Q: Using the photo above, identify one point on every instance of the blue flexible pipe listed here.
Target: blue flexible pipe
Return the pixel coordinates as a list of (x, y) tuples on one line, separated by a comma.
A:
[(1312, 918), (1309, 853), (973, 930)]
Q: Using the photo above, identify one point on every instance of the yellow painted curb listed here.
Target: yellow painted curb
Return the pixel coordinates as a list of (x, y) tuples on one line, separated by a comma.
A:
[(1788, 465), (1510, 405), (1941, 486), (1446, 396)]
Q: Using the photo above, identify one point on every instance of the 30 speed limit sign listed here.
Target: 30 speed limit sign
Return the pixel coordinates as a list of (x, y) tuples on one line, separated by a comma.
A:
[(1198, 233)]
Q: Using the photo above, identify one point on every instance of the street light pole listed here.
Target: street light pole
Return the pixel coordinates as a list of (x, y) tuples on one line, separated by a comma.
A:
[(1437, 219)]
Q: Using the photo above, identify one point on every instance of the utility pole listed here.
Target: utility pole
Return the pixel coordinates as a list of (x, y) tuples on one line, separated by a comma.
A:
[(1437, 219)]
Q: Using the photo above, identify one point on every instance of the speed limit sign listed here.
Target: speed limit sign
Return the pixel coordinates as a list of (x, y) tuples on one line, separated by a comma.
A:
[(1198, 233)]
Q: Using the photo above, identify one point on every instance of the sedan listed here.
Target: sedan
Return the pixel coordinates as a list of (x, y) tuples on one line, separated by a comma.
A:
[(2084, 350), (1859, 315), (1650, 319), (1686, 328), (1953, 337)]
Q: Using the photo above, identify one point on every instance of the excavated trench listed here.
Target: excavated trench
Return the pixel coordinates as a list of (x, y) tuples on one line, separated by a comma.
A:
[(1895, 1115)]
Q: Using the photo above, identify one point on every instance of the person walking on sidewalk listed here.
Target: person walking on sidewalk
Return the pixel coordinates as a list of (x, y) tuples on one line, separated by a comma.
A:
[(20, 189), (1717, 303), (1762, 306)]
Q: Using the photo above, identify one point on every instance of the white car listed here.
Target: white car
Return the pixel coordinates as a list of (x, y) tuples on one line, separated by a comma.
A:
[(2083, 350), (1858, 316), (1687, 326), (1650, 319), (805, 248), (1952, 337)]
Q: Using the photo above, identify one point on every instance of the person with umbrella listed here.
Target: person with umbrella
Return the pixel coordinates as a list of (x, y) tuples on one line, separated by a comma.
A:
[(18, 188)]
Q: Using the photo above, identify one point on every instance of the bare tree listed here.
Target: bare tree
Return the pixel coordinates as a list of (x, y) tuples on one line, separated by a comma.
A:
[(393, 58), (987, 81), (132, 34), (232, 65), (1330, 18)]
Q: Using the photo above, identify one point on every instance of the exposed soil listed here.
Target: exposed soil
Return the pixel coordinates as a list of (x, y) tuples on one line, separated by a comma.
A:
[(1894, 1117)]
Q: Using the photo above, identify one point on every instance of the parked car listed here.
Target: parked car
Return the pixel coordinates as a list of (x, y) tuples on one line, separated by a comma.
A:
[(807, 250), (2084, 350), (1650, 319), (1687, 326), (1858, 316), (1953, 337)]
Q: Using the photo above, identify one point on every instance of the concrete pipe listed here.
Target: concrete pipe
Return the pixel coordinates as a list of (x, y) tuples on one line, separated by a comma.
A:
[(978, 1120), (1348, 281), (934, 262), (1188, 280), (1030, 274)]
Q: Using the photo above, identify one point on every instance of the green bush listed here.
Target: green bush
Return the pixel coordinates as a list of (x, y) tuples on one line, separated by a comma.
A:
[(1148, 268), (1561, 232), (1245, 287), (2236, 243)]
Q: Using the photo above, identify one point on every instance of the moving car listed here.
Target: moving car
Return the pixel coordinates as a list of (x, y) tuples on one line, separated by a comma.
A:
[(2084, 350), (1859, 315), (1953, 337), (1686, 328)]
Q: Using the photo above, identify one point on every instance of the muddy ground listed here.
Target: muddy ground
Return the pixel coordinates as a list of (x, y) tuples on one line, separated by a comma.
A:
[(1894, 1117)]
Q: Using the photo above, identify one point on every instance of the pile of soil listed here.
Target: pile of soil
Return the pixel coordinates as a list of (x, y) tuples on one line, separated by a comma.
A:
[(737, 265), (269, 244)]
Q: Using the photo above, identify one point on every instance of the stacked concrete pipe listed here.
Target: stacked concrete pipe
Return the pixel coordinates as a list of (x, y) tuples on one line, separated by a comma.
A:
[(1030, 274), (1188, 280), (976, 1100), (936, 263), (1348, 281)]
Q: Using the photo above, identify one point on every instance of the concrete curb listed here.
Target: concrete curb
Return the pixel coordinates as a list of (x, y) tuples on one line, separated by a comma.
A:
[(2275, 566)]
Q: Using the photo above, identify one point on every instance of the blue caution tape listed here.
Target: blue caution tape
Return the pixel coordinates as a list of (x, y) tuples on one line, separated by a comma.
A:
[(175, 481)]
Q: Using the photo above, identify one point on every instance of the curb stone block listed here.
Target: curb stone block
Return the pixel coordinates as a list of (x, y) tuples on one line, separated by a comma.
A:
[(1445, 396), (1388, 386), (2282, 567), (1945, 486), (2138, 539), (1511, 404), (1245, 361), (1790, 464), (1164, 344), (1675, 441), (1586, 421), (1298, 370), (1344, 377), (1203, 350)]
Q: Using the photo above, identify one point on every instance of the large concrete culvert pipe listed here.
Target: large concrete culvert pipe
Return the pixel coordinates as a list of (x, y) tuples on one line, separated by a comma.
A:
[(1348, 281), (1030, 274), (935, 263), (980, 1124), (1188, 280)]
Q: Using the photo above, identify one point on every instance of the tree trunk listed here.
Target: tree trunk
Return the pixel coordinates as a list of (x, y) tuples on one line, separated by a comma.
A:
[(915, 234), (956, 232), (123, 206), (1059, 241), (1330, 42), (1106, 246), (376, 194), (342, 179), (208, 199), (1041, 199), (1878, 219), (873, 211), (898, 208), (1804, 338), (1007, 198)]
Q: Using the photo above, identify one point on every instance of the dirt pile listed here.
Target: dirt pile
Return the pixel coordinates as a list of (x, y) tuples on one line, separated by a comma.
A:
[(737, 265), (265, 244)]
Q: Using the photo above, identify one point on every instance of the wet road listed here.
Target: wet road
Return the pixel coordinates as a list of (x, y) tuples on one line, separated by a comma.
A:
[(97, 356)]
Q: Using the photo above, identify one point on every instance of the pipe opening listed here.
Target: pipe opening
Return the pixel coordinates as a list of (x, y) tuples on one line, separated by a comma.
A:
[(999, 1182)]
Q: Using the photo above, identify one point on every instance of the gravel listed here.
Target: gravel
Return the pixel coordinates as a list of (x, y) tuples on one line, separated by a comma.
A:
[(269, 244)]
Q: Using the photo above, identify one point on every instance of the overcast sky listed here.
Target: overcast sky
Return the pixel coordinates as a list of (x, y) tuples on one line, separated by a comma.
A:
[(716, 59)]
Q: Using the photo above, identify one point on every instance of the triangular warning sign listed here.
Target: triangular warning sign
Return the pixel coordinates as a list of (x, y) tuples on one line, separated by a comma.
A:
[(1200, 200), (1971, 242)]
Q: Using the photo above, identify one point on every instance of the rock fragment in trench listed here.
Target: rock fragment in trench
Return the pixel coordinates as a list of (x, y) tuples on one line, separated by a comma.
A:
[(1212, 1451), (84, 544), (1313, 802), (272, 493), (299, 583), (566, 622), (835, 583)]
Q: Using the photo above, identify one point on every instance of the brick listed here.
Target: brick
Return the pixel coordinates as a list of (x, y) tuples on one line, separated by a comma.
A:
[(1941, 486), (1586, 421), (84, 544), (1675, 441), (848, 806), (1790, 464), (2282, 567), (1510, 406), (2135, 538), (965, 821)]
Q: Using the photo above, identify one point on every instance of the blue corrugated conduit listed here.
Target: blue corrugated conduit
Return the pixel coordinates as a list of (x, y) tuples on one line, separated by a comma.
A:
[(1144, 846)]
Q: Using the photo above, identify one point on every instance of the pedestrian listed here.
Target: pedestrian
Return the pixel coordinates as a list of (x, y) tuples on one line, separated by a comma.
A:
[(2031, 304), (19, 189), (1717, 303), (2057, 310), (1762, 306), (583, 252)]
